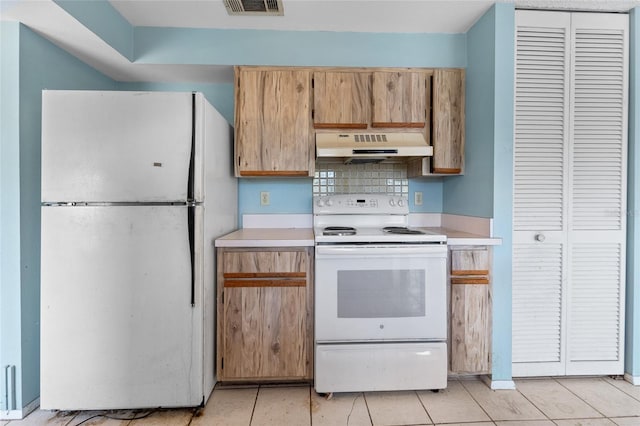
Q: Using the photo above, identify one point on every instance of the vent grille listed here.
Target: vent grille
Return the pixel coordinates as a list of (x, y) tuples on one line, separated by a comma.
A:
[(367, 137), (254, 7)]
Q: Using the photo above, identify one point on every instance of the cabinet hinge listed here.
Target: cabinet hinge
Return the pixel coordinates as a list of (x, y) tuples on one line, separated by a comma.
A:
[(222, 297), (313, 82), (222, 364), (313, 112)]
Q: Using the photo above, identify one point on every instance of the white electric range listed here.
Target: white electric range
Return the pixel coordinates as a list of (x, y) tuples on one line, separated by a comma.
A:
[(380, 297)]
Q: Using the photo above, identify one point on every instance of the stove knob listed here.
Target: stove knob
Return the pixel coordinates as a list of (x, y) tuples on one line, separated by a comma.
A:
[(400, 202), (329, 202), (392, 203), (320, 203)]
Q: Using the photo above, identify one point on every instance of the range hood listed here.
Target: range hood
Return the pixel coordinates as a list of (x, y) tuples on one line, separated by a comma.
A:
[(371, 147)]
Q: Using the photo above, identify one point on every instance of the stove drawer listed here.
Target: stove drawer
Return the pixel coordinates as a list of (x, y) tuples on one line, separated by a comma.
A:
[(380, 367)]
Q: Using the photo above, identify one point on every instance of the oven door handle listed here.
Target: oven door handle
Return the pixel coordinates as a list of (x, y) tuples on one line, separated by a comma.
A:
[(437, 250)]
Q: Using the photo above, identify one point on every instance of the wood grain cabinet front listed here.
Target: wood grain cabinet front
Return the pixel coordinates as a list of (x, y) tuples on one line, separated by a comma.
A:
[(273, 129), (470, 342), (400, 99), (341, 100), (448, 121), (264, 314)]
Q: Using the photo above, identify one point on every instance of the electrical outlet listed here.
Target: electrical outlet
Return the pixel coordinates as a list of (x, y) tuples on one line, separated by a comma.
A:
[(417, 198), (264, 198)]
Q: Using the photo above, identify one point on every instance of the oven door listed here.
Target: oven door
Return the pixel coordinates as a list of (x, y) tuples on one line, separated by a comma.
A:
[(380, 293)]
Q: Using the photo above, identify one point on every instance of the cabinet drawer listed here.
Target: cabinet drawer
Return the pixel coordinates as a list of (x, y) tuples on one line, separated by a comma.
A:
[(469, 262)]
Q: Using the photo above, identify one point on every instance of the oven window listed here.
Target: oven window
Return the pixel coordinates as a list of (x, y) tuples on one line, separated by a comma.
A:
[(385, 293)]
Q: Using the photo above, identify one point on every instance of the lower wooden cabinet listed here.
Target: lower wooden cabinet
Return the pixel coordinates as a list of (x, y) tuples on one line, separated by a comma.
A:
[(470, 338), (265, 314)]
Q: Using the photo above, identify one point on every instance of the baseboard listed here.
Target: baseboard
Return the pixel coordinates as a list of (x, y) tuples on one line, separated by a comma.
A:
[(634, 380), (499, 384), (20, 414)]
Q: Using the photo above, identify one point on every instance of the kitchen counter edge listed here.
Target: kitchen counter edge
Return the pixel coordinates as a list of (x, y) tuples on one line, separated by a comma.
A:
[(303, 237), (267, 237)]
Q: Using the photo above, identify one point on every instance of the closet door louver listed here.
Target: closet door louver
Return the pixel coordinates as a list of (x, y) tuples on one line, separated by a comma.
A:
[(597, 220), (569, 193), (540, 186)]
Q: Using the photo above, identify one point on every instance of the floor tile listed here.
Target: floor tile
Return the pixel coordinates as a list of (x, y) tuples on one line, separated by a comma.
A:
[(177, 417), (603, 396), (227, 407), (526, 423), (585, 422), (396, 408), (624, 386), (342, 409), (282, 406), (554, 400), (467, 424), (40, 417), (503, 404), (626, 421), (453, 404), (102, 418)]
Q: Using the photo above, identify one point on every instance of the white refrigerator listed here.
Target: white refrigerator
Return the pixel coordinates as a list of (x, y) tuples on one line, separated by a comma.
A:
[(135, 188)]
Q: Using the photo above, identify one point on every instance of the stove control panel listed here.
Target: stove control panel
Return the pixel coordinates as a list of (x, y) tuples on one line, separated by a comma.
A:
[(360, 204)]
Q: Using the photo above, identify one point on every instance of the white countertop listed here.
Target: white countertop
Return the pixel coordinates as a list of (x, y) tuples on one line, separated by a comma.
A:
[(460, 238), (267, 237), (303, 237)]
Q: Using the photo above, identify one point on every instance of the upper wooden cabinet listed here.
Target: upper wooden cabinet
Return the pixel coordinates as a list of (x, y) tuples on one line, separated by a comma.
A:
[(399, 99), (273, 133), (341, 100), (361, 99), (448, 121)]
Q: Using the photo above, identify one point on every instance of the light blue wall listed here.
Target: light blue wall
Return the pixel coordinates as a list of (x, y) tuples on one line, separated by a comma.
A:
[(105, 21), (485, 189), (503, 188), (39, 65), (220, 95), (10, 347), (319, 48), (632, 344), (472, 194)]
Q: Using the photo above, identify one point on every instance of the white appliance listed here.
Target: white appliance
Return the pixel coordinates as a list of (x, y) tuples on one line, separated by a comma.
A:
[(371, 147), (380, 297), (135, 188)]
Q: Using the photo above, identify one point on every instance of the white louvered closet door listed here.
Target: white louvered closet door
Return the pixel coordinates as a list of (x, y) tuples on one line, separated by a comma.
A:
[(598, 187), (540, 191), (569, 192)]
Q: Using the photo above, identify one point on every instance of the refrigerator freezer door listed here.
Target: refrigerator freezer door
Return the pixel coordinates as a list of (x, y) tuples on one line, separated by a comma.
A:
[(100, 146), (118, 328)]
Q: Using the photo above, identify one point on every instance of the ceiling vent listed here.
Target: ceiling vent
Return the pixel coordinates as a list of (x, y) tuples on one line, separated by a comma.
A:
[(254, 7)]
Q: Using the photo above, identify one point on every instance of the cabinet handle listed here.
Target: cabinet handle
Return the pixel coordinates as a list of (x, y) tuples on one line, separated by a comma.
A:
[(483, 281), (265, 274), (265, 283), (470, 272)]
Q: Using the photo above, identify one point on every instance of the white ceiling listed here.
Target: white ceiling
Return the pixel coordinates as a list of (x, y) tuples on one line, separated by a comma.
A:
[(400, 16), (395, 16)]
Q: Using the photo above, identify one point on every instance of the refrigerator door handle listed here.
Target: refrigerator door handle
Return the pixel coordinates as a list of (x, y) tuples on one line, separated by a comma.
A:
[(191, 214), (191, 181)]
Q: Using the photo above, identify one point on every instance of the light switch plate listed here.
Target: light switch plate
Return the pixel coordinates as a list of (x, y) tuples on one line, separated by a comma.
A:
[(264, 198), (417, 198)]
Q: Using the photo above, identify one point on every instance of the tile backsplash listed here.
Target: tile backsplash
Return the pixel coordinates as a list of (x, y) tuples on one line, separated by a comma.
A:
[(338, 178)]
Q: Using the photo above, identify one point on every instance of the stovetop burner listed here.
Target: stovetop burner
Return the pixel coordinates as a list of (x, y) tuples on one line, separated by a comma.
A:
[(401, 230), (339, 230)]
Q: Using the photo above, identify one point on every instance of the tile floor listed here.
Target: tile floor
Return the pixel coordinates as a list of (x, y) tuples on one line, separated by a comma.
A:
[(596, 401)]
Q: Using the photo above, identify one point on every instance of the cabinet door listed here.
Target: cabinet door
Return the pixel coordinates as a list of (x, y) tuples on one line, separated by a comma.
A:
[(448, 121), (341, 100), (273, 123), (399, 99), (264, 326), (470, 311)]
